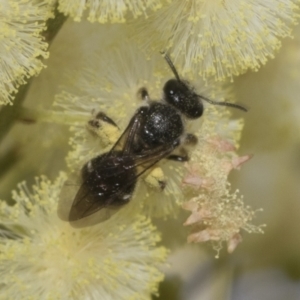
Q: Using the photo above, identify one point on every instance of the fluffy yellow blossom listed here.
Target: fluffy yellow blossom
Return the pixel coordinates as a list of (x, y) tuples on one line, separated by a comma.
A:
[(114, 11), (21, 46), (42, 257), (219, 38)]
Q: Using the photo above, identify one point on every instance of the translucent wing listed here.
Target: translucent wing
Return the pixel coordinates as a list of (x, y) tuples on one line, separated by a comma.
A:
[(87, 202)]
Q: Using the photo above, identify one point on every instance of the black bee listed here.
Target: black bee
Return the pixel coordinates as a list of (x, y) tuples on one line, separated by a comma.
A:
[(108, 180), (153, 133)]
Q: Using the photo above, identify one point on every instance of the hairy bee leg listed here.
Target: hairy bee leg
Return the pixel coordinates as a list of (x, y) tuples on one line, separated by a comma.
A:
[(190, 139), (156, 179), (102, 117), (104, 128), (143, 94), (178, 158), (181, 158)]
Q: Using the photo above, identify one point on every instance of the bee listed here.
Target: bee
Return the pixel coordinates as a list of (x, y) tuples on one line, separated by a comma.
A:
[(154, 132)]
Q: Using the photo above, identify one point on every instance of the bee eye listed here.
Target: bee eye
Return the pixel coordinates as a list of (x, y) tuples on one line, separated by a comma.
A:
[(172, 87), (179, 95)]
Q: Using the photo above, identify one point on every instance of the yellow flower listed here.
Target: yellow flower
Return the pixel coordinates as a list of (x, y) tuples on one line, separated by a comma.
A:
[(114, 11), (21, 46), (42, 257), (216, 37)]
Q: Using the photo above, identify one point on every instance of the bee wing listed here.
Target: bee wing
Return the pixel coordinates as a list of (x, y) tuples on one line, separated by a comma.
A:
[(80, 204), (67, 195), (87, 211), (79, 208), (124, 143), (148, 158)]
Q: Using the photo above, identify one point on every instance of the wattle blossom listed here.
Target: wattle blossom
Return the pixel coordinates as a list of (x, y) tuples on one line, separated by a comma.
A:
[(102, 11), (218, 38), (21, 43), (97, 69), (43, 257)]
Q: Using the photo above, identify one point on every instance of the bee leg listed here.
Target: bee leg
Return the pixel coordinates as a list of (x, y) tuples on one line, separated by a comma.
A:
[(143, 94), (104, 128), (156, 179), (190, 139), (181, 158), (103, 117), (95, 123), (178, 158)]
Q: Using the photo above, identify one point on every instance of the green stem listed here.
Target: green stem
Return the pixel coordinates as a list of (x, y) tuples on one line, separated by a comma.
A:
[(30, 115), (54, 25), (8, 159), (8, 114)]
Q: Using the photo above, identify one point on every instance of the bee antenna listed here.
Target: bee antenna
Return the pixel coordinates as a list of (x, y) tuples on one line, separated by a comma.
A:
[(170, 63), (224, 103)]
